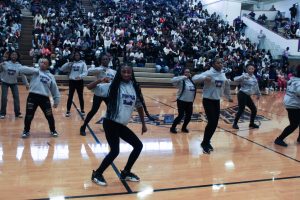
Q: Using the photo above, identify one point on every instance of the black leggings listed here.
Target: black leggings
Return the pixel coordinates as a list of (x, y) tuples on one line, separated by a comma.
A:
[(212, 111), (183, 108), (95, 107), (78, 86), (243, 101), (33, 101), (113, 132), (294, 118)]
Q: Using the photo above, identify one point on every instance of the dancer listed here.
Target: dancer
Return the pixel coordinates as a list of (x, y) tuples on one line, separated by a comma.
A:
[(185, 98), (292, 104), (249, 86), (101, 72), (215, 84), (10, 70), (123, 95), (41, 85), (77, 71)]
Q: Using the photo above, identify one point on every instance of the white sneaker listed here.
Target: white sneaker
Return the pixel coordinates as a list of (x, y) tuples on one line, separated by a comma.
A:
[(68, 114), (2, 116)]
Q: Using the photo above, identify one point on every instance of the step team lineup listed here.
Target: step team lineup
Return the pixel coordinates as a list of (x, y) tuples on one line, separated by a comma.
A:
[(122, 95)]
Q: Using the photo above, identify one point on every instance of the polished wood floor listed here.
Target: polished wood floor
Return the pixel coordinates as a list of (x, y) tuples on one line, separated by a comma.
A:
[(244, 165)]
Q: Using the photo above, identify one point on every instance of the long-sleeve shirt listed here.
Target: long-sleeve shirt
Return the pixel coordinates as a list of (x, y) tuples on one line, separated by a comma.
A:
[(188, 94), (127, 101), (102, 72), (43, 83), (249, 84), (10, 72), (76, 69), (217, 87), (292, 96)]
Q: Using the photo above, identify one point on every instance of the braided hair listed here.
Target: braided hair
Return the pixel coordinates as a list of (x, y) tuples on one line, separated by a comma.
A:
[(113, 96)]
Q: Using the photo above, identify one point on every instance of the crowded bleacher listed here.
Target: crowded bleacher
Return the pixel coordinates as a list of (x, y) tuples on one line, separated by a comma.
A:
[(170, 34)]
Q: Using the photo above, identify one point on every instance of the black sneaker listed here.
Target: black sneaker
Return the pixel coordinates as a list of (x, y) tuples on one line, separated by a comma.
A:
[(280, 142), (98, 179), (82, 131), (205, 148), (185, 130), (129, 176), (173, 130), (54, 133), (25, 134), (253, 125), (235, 126), (210, 147)]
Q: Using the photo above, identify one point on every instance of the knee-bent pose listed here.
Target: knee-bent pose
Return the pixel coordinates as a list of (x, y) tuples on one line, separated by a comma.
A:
[(292, 104), (42, 84), (101, 72), (215, 84), (249, 86), (185, 98), (124, 95)]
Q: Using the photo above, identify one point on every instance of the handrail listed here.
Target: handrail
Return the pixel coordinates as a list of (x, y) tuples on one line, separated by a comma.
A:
[(271, 30)]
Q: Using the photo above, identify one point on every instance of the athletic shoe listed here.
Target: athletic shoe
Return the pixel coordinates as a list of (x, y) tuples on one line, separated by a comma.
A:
[(82, 131), (82, 113), (185, 130), (173, 130), (280, 142), (54, 133), (235, 126), (68, 114), (253, 125), (19, 116), (25, 134), (210, 147), (98, 179), (129, 176), (2, 116), (205, 148)]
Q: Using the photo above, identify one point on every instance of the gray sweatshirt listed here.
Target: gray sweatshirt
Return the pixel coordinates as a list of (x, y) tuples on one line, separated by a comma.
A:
[(188, 94), (102, 72), (43, 83), (249, 84), (217, 87), (75, 69), (10, 72), (292, 96), (127, 101)]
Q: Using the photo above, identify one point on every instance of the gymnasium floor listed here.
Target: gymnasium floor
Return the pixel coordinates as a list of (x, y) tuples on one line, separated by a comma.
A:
[(244, 165)]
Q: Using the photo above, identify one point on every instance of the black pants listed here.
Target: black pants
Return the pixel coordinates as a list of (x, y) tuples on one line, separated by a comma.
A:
[(184, 108), (95, 107), (33, 101), (212, 111), (243, 101), (294, 118), (113, 132), (78, 86)]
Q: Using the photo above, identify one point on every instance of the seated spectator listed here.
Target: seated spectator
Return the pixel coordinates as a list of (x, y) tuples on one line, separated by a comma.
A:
[(161, 65), (252, 15), (139, 58), (272, 8)]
